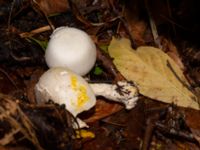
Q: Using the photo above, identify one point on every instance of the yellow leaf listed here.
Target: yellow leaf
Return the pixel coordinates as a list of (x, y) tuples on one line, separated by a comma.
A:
[(155, 73)]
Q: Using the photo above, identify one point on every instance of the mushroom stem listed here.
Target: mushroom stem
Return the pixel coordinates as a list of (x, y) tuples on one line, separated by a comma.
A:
[(79, 124), (123, 91)]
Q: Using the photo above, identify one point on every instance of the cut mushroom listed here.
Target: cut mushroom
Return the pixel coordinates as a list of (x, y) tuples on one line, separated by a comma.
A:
[(65, 87), (72, 48)]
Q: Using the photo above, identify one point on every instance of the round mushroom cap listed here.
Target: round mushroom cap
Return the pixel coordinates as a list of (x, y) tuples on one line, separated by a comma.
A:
[(72, 48), (65, 87)]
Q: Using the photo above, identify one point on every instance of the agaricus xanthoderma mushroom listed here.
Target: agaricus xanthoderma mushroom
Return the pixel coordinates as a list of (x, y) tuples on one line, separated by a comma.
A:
[(65, 87), (72, 48)]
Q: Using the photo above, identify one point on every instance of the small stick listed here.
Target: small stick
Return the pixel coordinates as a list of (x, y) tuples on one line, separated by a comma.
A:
[(45, 15), (154, 30), (126, 26), (149, 131), (20, 59), (108, 64), (35, 31), (113, 123), (189, 87), (10, 13), (184, 135)]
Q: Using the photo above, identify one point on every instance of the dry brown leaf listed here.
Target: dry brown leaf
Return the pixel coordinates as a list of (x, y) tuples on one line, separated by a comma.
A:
[(51, 6), (136, 25), (103, 109), (155, 73), (192, 118)]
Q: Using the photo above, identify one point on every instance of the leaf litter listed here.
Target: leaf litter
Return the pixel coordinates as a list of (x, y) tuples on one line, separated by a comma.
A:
[(151, 124)]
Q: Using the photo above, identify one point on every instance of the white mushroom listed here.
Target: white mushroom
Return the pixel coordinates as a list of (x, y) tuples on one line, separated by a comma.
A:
[(65, 87), (72, 48)]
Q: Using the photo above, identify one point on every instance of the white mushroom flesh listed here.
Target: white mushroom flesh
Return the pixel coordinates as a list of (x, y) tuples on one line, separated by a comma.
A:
[(122, 92), (72, 48)]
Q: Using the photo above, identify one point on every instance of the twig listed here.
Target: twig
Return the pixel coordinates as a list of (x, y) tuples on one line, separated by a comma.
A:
[(108, 64), (149, 131), (184, 135), (46, 17), (190, 88), (77, 14), (178, 78), (22, 124), (170, 14), (10, 14), (126, 26), (153, 27), (83, 20), (20, 59), (112, 123), (174, 23), (35, 31)]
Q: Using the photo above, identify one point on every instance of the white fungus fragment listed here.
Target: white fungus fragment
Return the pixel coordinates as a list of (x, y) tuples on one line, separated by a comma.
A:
[(122, 92)]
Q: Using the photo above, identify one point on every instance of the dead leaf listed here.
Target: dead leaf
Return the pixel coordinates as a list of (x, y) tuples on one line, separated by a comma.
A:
[(103, 109), (51, 6), (136, 25), (30, 84), (192, 118), (155, 73)]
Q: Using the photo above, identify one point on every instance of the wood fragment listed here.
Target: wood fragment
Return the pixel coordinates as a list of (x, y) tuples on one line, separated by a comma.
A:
[(35, 31), (149, 131), (184, 135)]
